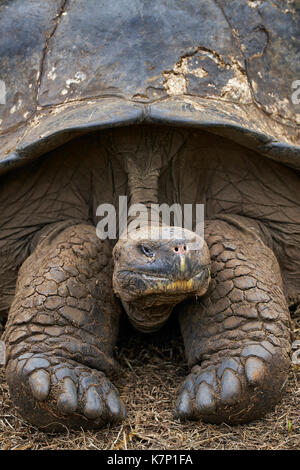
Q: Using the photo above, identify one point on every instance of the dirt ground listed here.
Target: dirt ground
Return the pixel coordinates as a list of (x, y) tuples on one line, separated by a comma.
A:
[(152, 369)]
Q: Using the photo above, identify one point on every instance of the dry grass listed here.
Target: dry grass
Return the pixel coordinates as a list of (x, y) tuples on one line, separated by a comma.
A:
[(153, 368)]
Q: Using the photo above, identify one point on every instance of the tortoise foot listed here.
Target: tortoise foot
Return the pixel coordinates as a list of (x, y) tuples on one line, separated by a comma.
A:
[(53, 392), (234, 390)]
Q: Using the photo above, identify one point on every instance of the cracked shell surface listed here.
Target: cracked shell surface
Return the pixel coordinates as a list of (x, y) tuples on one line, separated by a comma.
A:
[(68, 68)]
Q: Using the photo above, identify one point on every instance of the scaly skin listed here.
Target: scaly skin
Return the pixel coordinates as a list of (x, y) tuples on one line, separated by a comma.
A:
[(237, 338), (61, 331), (63, 325)]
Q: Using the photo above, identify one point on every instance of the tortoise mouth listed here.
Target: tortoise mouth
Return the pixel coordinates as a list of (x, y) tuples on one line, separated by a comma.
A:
[(144, 284)]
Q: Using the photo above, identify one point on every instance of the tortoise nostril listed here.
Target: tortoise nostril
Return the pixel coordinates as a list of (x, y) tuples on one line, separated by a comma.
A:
[(180, 249)]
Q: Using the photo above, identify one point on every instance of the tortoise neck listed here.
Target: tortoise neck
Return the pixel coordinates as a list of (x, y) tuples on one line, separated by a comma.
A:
[(143, 152), (143, 189)]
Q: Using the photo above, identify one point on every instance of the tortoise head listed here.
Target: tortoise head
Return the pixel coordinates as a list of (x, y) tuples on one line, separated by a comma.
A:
[(153, 274)]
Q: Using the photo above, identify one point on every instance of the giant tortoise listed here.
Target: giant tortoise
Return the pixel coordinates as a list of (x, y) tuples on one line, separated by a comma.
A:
[(164, 102)]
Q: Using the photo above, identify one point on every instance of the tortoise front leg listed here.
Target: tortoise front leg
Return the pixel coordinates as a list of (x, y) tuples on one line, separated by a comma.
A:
[(237, 339), (61, 331)]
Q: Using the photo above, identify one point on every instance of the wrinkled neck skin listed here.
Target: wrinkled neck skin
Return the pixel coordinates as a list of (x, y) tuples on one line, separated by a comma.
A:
[(147, 318), (145, 312), (148, 301)]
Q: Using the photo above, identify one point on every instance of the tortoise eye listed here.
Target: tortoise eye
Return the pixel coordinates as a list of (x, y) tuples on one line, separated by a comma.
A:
[(146, 250)]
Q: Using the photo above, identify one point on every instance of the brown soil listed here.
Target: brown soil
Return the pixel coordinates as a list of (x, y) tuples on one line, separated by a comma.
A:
[(153, 368)]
